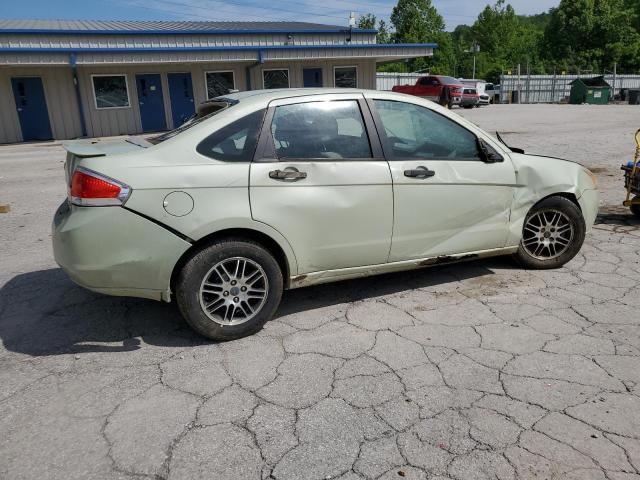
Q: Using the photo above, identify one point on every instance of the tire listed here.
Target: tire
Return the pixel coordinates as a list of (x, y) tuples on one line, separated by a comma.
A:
[(556, 222), (233, 313), (635, 208)]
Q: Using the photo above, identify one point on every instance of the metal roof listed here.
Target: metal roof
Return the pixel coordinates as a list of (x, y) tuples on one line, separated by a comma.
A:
[(151, 27)]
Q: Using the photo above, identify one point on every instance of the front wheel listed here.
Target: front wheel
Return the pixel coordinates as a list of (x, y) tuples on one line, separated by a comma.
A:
[(552, 235), (229, 289)]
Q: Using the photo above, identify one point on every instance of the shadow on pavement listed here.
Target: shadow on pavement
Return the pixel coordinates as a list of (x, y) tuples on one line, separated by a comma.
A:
[(44, 313), (618, 218)]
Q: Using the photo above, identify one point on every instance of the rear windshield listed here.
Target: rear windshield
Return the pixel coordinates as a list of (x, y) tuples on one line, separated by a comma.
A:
[(449, 80), (205, 111)]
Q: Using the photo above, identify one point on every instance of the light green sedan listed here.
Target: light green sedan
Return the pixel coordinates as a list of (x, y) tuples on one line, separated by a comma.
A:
[(287, 188)]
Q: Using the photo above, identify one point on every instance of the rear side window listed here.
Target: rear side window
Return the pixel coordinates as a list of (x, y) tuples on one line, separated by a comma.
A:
[(236, 142), (320, 130)]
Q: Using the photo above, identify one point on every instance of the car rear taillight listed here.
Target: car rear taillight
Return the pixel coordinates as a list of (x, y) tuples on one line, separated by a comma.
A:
[(89, 188)]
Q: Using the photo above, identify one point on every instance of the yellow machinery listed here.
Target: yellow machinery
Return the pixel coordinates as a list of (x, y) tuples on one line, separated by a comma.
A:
[(632, 180)]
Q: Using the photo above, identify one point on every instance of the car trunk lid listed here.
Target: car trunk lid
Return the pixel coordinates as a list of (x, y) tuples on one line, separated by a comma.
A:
[(79, 149)]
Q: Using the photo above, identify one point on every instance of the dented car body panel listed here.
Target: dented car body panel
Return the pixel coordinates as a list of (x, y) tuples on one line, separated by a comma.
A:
[(345, 218)]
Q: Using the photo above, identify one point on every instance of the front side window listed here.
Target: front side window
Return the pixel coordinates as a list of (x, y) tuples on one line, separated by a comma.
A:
[(415, 132), (236, 142), (110, 91), (320, 130), (219, 83), (345, 77), (276, 79)]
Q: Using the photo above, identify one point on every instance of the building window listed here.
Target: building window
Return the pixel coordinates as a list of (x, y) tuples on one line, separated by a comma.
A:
[(219, 83), (110, 91), (276, 78), (345, 77)]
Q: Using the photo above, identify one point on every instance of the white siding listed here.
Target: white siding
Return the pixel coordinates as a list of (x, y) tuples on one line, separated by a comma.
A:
[(386, 81)]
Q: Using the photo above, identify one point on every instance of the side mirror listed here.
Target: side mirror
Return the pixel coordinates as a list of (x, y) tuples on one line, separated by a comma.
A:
[(488, 154)]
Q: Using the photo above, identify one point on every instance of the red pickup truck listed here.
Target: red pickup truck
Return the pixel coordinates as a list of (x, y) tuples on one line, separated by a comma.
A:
[(431, 87)]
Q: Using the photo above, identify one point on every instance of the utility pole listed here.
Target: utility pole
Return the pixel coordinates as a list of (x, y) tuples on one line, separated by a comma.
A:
[(615, 77), (528, 82), (475, 48), (519, 85)]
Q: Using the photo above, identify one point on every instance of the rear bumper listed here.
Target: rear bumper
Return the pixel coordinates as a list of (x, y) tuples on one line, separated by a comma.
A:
[(114, 251)]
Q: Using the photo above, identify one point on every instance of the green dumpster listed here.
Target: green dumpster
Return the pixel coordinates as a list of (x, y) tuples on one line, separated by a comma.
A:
[(594, 91)]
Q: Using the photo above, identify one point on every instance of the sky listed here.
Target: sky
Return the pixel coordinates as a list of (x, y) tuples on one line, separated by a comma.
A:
[(334, 12)]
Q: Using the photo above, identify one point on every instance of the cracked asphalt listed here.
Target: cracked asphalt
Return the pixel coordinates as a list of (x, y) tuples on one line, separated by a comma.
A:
[(473, 371)]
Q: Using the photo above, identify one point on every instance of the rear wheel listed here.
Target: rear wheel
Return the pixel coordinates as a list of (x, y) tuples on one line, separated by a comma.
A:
[(229, 289), (552, 235)]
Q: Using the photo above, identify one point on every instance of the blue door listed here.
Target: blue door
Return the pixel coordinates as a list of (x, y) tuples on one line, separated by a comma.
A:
[(151, 102), (312, 77), (181, 93), (32, 108)]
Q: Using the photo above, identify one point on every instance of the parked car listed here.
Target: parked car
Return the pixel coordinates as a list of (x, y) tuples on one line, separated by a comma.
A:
[(431, 87), (481, 88), (470, 98), (281, 189)]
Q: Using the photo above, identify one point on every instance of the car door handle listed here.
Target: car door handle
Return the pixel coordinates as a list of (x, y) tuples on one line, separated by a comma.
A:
[(420, 172), (287, 175)]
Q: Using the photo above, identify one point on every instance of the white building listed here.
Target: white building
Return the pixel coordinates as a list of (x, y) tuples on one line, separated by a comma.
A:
[(67, 79)]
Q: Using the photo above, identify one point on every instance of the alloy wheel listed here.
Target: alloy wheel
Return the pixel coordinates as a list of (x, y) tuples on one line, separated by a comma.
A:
[(547, 234), (233, 291)]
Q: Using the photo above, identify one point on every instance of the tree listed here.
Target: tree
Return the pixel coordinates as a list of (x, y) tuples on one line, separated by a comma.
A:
[(367, 21), (416, 21), (594, 34), (383, 32)]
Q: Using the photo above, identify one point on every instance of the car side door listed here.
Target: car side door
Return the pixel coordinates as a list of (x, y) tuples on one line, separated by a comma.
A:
[(429, 88), (322, 182), (448, 197)]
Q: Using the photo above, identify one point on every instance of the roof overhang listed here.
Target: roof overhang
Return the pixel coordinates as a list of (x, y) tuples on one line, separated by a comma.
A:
[(260, 54)]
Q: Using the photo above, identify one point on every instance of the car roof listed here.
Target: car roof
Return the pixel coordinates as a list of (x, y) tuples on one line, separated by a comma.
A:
[(278, 93)]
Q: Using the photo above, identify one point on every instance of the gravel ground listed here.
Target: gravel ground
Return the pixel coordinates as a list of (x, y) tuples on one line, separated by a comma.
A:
[(475, 371)]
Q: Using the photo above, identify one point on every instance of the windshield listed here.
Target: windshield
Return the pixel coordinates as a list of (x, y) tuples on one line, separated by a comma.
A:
[(205, 111)]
